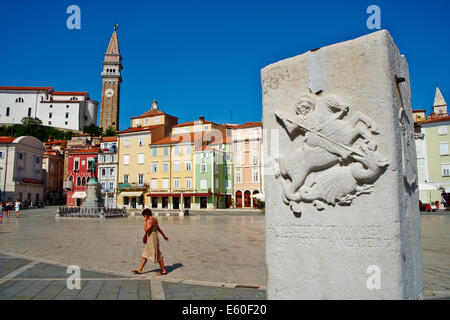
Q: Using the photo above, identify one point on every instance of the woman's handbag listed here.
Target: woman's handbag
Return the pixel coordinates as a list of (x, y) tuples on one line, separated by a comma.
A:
[(144, 239)]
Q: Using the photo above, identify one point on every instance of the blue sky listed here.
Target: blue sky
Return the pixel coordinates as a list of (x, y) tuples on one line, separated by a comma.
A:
[(204, 57)]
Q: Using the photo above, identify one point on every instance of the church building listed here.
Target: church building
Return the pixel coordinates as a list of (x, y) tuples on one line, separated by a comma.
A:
[(66, 110)]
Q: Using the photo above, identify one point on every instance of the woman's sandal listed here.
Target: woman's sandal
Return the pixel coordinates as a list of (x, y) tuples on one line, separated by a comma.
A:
[(161, 273), (137, 272)]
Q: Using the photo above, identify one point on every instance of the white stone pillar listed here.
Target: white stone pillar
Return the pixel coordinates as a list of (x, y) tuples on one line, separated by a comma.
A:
[(342, 219)]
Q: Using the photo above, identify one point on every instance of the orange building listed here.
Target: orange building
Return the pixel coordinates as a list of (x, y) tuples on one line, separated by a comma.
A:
[(53, 171), (248, 168)]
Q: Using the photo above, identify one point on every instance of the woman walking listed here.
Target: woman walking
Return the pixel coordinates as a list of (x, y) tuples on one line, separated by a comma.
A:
[(1, 211), (17, 207), (151, 240), (9, 206)]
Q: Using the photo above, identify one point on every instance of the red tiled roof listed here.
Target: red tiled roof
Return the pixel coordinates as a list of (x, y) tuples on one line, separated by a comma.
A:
[(109, 139), (68, 93), (138, 129), (150, 113), (431, 119), (419, 110), (196, 122), (88, 150), (53, 153), (248, 125), (81, 135), (7, 139), (55, 142), (27, 88), (61, 101), (179, 138), (230, 126)]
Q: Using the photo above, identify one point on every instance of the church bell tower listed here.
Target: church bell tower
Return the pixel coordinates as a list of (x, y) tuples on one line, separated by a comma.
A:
[(111, 78)]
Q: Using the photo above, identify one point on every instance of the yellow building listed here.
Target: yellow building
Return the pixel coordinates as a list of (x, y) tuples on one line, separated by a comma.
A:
[(135, 154), (207, 128), (172, 176), (155, 117), (173, 168)]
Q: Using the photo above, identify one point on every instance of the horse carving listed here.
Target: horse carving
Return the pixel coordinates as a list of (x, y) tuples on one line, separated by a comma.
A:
[(335, 157)]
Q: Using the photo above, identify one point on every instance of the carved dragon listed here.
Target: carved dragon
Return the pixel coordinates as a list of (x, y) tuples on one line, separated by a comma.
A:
[(335, 159)]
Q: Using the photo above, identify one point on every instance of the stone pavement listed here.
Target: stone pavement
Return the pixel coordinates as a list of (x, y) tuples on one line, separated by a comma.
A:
[(435, 228), (218, 249), (22, 279), (208, 257)]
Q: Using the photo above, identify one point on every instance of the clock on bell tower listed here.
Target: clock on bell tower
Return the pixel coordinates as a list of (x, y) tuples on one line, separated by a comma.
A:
[(111, 78)]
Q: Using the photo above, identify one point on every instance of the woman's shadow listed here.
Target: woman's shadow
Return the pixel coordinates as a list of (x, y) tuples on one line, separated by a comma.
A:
[(169, 269)]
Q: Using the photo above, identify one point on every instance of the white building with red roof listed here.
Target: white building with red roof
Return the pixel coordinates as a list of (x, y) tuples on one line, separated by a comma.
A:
[(432, 137), (21, 174), (64, 110)]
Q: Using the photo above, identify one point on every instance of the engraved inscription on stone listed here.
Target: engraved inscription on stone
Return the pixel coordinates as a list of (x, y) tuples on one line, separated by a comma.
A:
[(333, 236)]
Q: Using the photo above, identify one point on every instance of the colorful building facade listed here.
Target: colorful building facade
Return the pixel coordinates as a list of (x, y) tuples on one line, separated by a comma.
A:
[(21, 175), (433, 153), (172, 176), (134, 145), (107, 171), (247, 163), (79, 173), (53, 171)]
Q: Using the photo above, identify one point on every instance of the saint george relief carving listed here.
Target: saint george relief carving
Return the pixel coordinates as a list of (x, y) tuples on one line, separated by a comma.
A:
[(333, 157)]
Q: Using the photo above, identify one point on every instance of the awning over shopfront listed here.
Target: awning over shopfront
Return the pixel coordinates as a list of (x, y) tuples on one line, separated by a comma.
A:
[(259, 196), (185, 194), (28, 180), (79, 195), (131, 194)]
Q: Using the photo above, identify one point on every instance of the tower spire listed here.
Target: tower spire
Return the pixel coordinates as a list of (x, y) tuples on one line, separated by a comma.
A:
[(439, 105), (113, 47), (439, 98)]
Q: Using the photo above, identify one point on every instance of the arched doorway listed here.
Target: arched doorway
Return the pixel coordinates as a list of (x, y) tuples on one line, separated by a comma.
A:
[(255, 201), (247, 199), (238, 199)]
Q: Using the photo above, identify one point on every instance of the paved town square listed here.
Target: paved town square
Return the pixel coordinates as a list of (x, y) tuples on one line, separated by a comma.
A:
[(210, 255)]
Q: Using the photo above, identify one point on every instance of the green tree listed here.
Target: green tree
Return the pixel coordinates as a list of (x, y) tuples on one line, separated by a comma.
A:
[(110, 132), (33, 127), (29, 121), (93, 130)]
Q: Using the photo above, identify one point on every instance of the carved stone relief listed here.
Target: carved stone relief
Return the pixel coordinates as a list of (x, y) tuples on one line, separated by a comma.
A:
[(334, 157), (275, 76), (408, 138)]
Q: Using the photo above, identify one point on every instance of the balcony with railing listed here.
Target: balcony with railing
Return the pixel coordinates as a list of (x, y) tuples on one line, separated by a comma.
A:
[(132, 186), (109, 149), (29, 181), (105, 159)]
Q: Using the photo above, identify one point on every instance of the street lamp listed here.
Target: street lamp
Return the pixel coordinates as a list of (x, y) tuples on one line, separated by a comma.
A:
[(182, 202)]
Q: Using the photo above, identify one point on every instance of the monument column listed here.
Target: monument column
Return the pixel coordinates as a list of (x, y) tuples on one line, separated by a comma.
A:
[(342, 217)]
